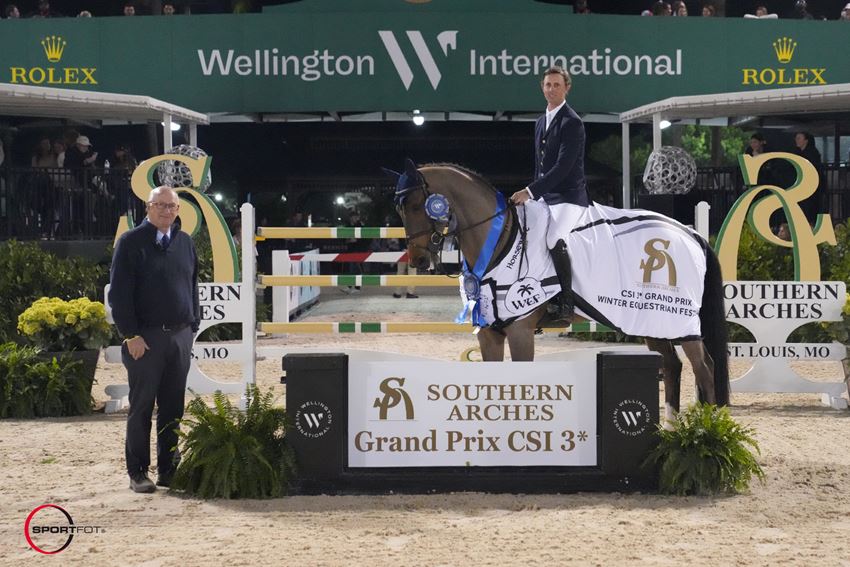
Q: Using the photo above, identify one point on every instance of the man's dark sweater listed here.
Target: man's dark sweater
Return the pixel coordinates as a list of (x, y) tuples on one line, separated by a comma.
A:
[(150, 286)]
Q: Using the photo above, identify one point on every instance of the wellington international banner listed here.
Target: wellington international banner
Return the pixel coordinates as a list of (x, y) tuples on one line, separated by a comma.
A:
[(326, 55)]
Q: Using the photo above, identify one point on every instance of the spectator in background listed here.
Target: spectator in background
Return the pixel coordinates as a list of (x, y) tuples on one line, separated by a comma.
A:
[(805, 143), (845, 13), (761, 14), (2, 154), (756, 145), (129, 9), (44, 11), (36, 202), (354, 245), (122, 158), (680, 8), (81, 154), (168, 9), (660, 8), (59, 177), (767, 175), (581, 7), (12, 12), (402, 268), (801, 11), (708, 11), (118, 169), (84, 14), (43, 155)]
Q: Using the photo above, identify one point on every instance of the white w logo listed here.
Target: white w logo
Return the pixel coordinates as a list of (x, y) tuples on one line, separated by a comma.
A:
[(313, 419), (631, 417), (446, 39)]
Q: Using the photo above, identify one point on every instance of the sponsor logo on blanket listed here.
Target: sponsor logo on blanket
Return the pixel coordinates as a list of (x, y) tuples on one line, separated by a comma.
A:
[(658, 259), (523, 295)]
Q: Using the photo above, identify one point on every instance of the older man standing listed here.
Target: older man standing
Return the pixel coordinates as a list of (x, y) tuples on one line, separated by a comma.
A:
[(154, 298), (559, 176)]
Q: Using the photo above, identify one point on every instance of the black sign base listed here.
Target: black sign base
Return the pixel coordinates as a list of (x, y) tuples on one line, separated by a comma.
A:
[(627, 416)]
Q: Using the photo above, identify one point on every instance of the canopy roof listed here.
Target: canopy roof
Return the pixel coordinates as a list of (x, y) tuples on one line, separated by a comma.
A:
[(24, 100), (800, 100)]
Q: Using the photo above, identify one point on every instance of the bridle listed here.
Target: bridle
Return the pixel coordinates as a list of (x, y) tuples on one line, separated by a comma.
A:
[(442, 222)]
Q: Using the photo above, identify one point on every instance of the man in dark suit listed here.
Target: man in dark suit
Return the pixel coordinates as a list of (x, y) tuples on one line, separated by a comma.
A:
[(155, 304), (559, 176)]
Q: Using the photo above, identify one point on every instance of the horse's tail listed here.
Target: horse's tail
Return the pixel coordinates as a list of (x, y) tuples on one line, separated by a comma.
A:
[(712, 318)]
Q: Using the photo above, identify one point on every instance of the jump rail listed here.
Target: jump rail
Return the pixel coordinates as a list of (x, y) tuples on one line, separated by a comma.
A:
[(326, 232), (374, 280), (384, 327)]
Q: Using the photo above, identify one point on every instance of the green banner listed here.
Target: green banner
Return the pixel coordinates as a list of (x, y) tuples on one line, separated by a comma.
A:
[(290, 61)]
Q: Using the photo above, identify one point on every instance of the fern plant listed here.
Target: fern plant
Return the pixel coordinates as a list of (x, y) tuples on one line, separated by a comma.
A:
[(705, 453), (228, 453)]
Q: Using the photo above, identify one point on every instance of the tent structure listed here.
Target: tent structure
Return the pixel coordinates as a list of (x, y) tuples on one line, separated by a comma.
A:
[(788, 101), (24, 100)]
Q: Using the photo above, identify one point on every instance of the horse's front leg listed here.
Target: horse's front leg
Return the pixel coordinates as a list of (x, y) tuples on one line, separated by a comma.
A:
[(492, 345), (521, 336)]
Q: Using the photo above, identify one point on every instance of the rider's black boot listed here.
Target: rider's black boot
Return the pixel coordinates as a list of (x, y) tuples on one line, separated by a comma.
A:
[(564, 307)]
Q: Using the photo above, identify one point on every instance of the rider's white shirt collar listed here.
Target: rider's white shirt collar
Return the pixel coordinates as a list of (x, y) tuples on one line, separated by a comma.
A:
[(550, 114)]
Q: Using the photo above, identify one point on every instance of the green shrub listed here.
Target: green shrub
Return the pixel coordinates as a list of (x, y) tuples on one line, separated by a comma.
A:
[(230, 454), (32, 386), (840, 330), (707, 452), (28, 273)]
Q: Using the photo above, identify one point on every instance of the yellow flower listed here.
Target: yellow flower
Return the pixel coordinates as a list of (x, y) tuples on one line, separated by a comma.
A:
[(51, 322)]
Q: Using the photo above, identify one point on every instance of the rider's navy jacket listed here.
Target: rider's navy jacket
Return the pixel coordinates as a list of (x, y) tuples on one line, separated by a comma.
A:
[(559, 159)]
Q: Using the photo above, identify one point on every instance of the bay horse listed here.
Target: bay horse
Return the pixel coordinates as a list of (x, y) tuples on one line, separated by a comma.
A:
[(467, 207)]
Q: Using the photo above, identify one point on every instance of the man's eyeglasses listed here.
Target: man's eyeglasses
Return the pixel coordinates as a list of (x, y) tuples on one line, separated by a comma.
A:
[(166, 206)]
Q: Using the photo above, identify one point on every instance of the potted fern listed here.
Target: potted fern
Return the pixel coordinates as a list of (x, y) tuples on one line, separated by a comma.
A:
[(227, 453), (706, 452), (75, 329)]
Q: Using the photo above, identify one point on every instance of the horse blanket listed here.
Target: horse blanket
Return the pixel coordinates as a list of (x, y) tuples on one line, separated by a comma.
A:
[(639, 271), (634, 270)]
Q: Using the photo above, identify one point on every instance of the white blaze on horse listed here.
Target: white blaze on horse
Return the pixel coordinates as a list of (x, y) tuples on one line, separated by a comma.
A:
[(636, 271)]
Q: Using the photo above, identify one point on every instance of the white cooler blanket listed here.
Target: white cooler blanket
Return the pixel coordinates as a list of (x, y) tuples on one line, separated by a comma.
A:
[(636, 270), (640, 270)]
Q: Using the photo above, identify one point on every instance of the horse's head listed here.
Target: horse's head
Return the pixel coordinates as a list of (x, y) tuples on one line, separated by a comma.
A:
[(425, 216)]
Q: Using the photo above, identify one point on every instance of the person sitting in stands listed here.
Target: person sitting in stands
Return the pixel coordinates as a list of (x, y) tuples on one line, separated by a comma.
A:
[(43, 155)]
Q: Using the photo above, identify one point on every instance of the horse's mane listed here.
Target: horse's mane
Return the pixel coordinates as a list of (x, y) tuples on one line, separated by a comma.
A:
[(464, 169)]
